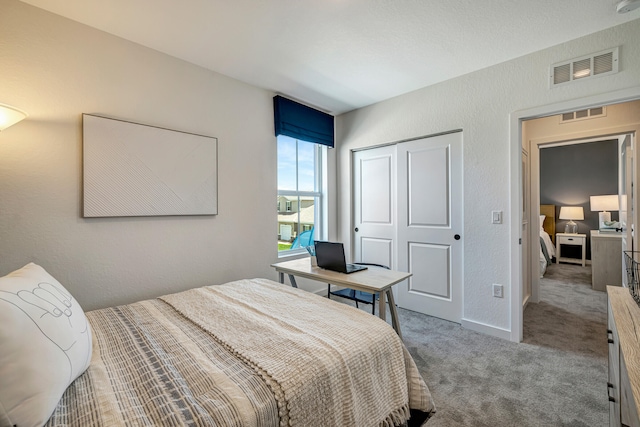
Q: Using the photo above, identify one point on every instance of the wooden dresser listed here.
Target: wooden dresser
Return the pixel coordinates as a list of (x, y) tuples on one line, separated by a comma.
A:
[(623, 335), (606, 259)]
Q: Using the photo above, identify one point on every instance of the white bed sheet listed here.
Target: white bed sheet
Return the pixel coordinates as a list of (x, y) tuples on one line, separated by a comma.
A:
[(551, 250)]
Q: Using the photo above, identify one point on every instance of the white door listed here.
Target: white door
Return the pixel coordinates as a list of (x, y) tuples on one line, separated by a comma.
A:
[(625, 185), (626, 172), (408, 216), (430, 221), (374, 180)]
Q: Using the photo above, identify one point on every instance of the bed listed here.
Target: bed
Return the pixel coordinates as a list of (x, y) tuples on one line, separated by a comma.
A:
[(547, 236), (246, 353)]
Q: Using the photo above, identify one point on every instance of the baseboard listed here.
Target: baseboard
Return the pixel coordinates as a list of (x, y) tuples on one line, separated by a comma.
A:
[(486, 329)]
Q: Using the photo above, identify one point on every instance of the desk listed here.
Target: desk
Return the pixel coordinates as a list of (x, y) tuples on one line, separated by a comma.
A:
[(571, 239), (372, 280)]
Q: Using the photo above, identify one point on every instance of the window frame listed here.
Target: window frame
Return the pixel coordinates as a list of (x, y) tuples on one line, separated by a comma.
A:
[(319, 195)]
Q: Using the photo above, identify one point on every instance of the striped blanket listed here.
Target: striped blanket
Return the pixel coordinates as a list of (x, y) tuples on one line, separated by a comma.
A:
[(247, 353)]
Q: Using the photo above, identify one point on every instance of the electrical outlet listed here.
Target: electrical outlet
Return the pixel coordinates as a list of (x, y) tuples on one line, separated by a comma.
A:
[(497, 291)]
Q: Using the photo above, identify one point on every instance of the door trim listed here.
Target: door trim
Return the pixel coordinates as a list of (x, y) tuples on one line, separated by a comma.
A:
[(353, 150), (515, 179)]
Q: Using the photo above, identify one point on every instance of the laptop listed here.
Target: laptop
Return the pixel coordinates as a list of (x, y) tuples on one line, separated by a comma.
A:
[(330, 255)]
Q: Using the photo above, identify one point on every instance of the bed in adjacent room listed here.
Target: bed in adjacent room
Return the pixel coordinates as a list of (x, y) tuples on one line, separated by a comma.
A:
[(246, 353), (547, 236)]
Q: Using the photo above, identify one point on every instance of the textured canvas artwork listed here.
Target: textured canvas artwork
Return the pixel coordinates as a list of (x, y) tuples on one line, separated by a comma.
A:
[(138, 170)]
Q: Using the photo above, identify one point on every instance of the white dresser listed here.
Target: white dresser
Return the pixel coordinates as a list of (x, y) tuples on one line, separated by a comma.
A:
[(606, 260)]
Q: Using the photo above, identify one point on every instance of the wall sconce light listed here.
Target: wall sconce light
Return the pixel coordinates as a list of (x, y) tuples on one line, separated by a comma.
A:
[(10, 116)]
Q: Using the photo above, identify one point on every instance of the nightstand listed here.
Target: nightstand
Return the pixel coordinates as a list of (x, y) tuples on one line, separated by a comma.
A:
[(571, 239)]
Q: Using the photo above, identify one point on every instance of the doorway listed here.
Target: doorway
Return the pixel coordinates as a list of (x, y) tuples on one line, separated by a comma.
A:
[(518, 268), (585, 161)]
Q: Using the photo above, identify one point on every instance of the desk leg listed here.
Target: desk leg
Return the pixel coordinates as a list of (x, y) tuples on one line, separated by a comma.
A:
[(382, 309), (281, 277), (293, 281), (584, 253), (395, 322)]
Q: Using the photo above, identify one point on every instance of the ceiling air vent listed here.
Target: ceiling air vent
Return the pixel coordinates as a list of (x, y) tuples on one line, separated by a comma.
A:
[(596, 64), (590, 113)]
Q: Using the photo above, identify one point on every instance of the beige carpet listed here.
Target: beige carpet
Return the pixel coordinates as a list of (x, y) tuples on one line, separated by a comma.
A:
[(556, 377)]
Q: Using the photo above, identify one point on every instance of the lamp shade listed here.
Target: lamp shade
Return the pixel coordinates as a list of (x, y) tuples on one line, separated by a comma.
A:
[(572, 212), (10, 116), (604, 203)]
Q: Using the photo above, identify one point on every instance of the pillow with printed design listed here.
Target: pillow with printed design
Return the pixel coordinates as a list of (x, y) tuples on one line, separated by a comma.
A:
[(46, 344)]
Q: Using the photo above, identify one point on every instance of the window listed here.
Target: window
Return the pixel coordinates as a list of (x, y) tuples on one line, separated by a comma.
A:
[(300, 187)]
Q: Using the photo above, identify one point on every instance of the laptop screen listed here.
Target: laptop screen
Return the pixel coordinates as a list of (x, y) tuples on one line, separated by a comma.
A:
[(330, 255)]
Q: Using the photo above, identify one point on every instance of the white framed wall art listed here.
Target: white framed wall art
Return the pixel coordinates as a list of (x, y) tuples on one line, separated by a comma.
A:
[(131, 169)]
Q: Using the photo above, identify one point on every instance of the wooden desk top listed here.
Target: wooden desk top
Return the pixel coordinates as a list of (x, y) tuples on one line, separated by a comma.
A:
[(373, 279)]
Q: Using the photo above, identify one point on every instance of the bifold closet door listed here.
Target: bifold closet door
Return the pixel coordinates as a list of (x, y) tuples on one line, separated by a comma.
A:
[(408, 216), (430, 235), (374, 183)]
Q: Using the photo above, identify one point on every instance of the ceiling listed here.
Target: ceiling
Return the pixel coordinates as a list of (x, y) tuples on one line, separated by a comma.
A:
[(338, 55)]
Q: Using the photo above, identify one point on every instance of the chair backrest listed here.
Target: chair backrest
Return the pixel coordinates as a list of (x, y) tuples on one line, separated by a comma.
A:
[(303, 240)]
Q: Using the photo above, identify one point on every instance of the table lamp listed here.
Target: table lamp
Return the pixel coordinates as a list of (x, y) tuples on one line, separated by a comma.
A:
[(604, 204), (571, 213)]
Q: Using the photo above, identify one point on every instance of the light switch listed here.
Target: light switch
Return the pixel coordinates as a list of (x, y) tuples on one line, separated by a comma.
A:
[(496, 217)]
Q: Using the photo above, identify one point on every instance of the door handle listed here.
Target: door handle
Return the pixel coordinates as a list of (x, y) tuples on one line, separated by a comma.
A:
[(356, 230), (457, 237)]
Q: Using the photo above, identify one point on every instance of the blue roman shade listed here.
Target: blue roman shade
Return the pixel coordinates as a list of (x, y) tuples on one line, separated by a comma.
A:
[(302, 122)]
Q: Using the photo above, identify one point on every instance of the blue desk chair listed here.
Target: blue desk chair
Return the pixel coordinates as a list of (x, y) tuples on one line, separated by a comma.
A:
[(358, 296), (303, 240)]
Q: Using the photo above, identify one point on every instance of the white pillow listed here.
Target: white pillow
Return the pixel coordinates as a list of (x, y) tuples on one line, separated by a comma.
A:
[(45, 345), (542, 217)]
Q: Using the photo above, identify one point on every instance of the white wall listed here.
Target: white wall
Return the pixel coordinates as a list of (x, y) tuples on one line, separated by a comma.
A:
[(480, 104), (57, 69)]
